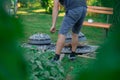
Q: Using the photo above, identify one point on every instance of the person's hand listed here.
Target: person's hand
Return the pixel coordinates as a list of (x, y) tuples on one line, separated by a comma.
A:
[(52, 29)]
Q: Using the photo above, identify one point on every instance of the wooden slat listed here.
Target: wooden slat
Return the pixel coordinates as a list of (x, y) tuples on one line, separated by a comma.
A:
[(88, 57), (100, 8), (96, 24), (99, 11)]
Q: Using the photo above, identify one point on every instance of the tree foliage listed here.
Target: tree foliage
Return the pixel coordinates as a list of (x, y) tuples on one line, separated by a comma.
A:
[(27, 3), (47, 4), (93, 2)]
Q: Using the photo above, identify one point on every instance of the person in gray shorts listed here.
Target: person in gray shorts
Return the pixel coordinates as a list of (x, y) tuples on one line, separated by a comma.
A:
[(73, 19)]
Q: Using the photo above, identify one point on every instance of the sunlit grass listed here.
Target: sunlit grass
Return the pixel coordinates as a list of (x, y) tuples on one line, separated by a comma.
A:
[(27, 11), (61, 14), (39, 10), (22, 12)]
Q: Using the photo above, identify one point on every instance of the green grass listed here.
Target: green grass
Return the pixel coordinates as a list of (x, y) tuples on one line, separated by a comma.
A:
[(36, 23), (39, 22), (73, 68)]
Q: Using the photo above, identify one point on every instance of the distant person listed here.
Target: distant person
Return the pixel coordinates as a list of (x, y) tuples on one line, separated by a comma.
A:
[(75, 14)]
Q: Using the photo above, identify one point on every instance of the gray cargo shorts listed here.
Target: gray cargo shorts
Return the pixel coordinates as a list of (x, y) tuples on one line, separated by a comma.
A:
[(73, 20)]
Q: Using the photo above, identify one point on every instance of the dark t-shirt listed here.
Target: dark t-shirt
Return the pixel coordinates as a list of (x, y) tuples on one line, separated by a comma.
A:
[(70, 4)]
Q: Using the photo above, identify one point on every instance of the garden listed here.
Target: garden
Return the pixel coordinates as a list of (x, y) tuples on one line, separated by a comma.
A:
[(21, 61)]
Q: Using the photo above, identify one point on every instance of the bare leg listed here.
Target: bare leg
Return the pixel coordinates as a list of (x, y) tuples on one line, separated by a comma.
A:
[(74, 46), (60, 43), (74, 41)]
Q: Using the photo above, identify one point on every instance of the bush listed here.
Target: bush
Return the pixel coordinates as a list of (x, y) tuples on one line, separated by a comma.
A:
[(93, 2), (47, 4), (27, 3), (40, 68)]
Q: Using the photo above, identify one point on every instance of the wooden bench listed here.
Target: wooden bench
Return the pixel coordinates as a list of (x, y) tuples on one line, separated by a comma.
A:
[(99, 10)]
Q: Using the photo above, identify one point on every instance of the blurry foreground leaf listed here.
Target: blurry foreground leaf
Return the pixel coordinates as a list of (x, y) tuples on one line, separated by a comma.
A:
[(12, 63)]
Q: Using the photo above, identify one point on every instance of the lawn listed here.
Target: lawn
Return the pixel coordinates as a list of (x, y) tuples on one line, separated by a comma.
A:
[(36, 21)]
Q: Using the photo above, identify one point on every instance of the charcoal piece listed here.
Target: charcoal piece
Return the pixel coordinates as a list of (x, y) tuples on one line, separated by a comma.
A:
[(80, 49), (39, 39), (51, 47), (81, 37)]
